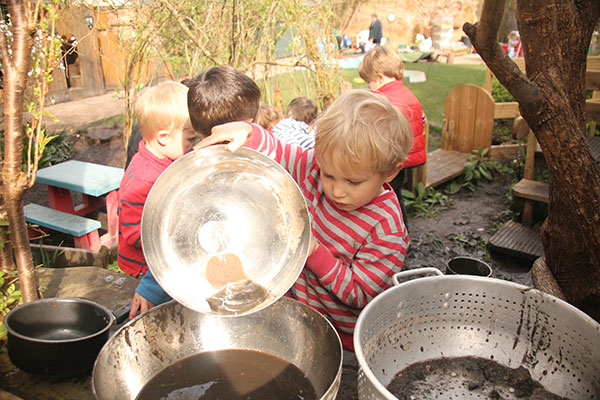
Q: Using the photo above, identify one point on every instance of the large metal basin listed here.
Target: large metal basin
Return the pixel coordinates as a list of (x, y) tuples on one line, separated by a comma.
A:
[(170, 332)]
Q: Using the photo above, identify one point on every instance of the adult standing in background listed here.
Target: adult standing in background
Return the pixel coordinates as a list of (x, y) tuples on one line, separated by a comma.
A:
[(375, 30)]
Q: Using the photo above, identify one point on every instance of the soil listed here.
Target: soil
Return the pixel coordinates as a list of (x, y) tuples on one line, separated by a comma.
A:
[(462, 377)]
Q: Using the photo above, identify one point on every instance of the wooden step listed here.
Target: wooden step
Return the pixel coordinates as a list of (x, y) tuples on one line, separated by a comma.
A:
[(70, 224), (532, 190), (444, 165), (517, 240)]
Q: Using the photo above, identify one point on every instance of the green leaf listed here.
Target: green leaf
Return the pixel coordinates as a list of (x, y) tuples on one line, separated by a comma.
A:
[(486, 174), (407, 194)]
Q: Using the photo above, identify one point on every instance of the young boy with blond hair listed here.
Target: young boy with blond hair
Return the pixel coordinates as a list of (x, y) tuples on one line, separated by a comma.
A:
[(359, 238), (383, 70), (167, 134)]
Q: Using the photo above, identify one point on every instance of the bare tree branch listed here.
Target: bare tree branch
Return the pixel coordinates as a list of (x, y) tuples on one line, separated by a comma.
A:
[(188, 32)]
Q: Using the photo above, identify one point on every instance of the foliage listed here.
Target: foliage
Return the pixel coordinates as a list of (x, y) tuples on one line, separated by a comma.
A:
[(10, 297), (425, 202), (53, 149), (467, 240), (500, 93), (114, 266), (46, 259), (478, 169)]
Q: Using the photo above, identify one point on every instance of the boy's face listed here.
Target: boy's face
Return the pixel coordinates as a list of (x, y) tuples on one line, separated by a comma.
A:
[(349, 189), (179, 142)]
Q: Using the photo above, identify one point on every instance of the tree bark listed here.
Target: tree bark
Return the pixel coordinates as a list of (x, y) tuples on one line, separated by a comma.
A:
[(16, 63), (555, 36)]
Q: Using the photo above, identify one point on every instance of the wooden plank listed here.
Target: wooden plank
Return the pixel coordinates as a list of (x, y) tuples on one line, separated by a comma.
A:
[(506, 151), (444, 165), (468, 119), (517, 240), (592, 79), (508, 109), (594, 142), (592, 110), (533, 190)]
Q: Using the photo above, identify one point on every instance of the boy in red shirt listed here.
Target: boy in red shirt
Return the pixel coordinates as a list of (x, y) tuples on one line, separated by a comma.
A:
[(167, 134), (383, 70)]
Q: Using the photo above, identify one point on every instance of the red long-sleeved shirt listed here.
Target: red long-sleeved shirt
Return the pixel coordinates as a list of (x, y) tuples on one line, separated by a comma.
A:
[(401, 97), (142, 172), (359, 251)]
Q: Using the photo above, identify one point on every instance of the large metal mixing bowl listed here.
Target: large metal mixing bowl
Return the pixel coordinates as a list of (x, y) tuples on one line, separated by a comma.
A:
[(216, 203), (170, 332)]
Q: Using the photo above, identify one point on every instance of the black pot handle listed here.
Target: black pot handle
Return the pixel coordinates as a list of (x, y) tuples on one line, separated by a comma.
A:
[(122, 313)]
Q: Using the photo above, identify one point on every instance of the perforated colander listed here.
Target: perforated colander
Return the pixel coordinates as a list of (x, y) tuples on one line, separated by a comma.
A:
[(458, 316)]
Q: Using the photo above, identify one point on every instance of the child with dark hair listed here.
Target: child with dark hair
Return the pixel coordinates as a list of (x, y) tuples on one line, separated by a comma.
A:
[(296, 127), (219, 95)]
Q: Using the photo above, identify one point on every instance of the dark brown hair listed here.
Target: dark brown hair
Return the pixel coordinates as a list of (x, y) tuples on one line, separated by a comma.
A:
[(302, 109), (220, 95)]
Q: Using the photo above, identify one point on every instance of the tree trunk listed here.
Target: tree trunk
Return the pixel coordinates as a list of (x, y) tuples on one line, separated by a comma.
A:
[(16, 64), (555, 36)]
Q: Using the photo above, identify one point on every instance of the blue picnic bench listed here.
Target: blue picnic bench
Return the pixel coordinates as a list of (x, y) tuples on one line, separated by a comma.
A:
[(98, 185)]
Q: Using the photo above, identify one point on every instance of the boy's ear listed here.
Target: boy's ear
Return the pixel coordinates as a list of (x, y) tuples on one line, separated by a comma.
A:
[(389, 177), (163, 137)]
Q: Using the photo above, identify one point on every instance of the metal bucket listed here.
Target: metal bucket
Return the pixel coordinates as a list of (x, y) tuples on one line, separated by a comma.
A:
[(468, 266), (170, 332), (457, 316)]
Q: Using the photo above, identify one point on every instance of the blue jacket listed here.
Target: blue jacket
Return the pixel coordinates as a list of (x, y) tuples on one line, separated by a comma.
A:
[(149, 289)]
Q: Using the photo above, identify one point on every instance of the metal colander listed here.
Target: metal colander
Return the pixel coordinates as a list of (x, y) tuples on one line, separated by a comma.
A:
[(457, 316)]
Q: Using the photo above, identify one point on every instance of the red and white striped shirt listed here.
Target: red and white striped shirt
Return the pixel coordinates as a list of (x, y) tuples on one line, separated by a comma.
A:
[(358, 251)]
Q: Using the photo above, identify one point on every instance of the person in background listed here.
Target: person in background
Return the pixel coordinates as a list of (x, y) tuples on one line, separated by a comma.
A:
[(296, 127), (167, 134), (268, 116), (375, 30), (216, 96), (358, 235), (383, 70)]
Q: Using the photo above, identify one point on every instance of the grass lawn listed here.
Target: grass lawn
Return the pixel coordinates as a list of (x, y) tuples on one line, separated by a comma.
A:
[(441, 79)]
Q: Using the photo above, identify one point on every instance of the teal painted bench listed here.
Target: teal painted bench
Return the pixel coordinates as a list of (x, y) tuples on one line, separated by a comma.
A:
[(84, 230)]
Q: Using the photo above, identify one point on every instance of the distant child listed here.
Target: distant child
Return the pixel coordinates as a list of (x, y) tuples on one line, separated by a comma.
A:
[(383, 70), (514, 42), (216, 96), (167, 134), (296, 127), (268, 116), (359, 238)]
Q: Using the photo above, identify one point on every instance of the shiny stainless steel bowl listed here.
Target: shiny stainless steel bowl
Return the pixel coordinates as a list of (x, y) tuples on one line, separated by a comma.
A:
[(215, 203)]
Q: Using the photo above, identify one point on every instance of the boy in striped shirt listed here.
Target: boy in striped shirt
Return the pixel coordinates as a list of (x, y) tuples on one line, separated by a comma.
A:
[(359, 238)]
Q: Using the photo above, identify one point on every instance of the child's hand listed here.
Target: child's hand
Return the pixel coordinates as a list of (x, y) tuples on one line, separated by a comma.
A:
[(139, 303), (233, 133)]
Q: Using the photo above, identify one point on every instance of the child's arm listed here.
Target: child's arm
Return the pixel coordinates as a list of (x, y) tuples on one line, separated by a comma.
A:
[(235, 134), (369, 272), (147, 295)]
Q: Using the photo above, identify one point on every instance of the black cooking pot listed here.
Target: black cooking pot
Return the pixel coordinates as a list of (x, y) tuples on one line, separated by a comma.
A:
[(58, 337)]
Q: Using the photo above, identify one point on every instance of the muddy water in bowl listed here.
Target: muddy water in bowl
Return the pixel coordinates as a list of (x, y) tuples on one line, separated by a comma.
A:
[(230, 374)]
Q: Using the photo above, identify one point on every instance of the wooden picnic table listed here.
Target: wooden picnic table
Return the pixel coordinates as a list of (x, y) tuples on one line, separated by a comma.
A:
[(98, 185)]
